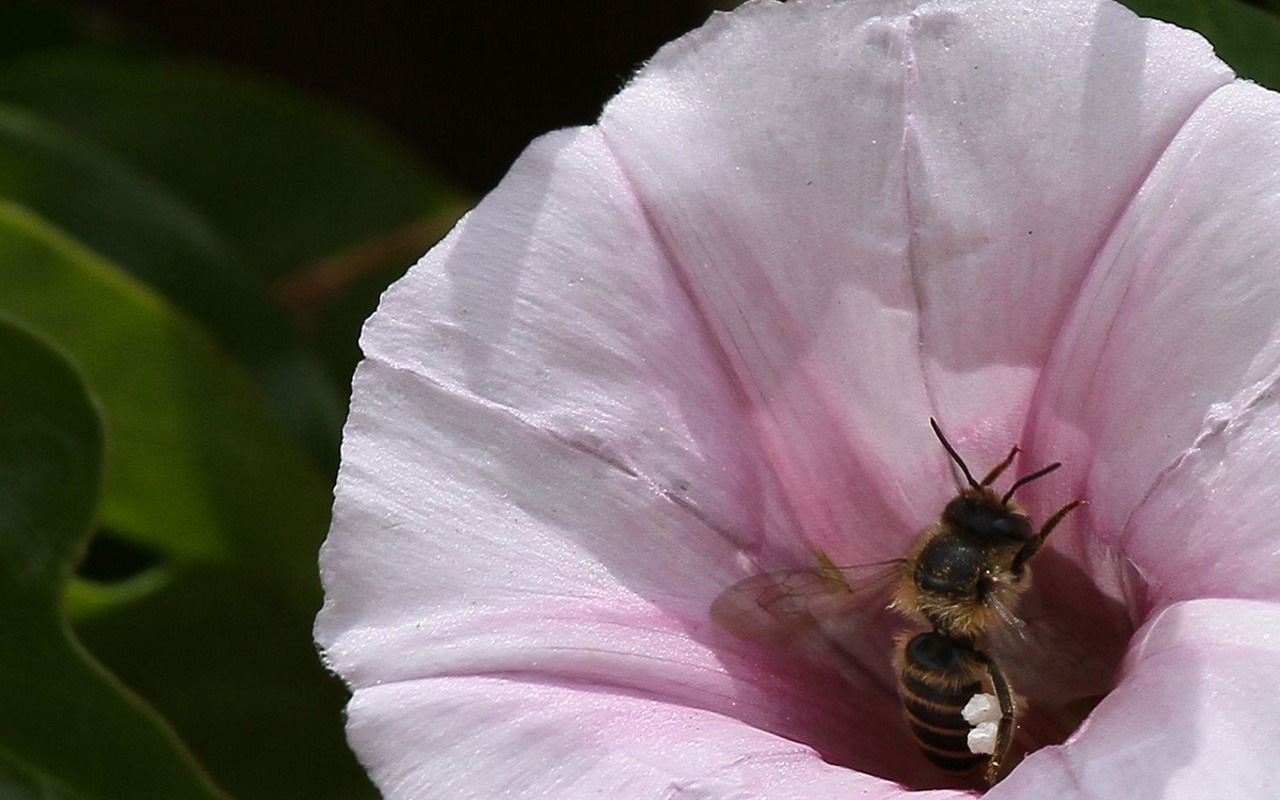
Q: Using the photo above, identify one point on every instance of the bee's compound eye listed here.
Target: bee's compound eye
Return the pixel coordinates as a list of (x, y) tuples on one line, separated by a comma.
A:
[(988, 520), (1013, 527), (1006, 526), (932, 651)]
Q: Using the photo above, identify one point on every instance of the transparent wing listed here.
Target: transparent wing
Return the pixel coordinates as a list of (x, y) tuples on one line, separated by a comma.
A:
[(1012, 628), (776, 608)]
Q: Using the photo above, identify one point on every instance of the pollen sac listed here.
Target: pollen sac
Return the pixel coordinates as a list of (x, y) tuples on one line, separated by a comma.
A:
[(982, 739), (982, 707)]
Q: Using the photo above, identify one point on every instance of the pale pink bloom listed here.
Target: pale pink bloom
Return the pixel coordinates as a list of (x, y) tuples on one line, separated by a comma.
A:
[(704, 337)]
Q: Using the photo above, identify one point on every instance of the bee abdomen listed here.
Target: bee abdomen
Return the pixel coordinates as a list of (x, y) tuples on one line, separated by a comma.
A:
[(947, 718), (938, 726), (937, 680)]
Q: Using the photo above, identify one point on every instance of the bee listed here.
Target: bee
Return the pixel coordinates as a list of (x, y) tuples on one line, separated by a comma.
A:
[(961, 579)]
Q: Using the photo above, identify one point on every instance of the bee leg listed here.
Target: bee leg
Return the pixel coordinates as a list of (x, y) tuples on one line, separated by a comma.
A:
[(1029, 549), (999, 469), (998, 762)]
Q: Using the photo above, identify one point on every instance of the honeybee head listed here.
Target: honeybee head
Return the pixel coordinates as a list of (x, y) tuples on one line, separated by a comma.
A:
[(989, 520)]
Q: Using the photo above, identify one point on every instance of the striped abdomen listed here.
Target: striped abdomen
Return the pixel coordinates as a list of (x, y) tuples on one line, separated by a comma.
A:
[(937, 677)]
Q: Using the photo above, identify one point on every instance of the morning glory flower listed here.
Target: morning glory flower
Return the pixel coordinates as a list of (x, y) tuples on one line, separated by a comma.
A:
[(703, 339)]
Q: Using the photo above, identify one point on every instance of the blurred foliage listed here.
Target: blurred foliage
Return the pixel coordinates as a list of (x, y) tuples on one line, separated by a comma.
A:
[(287, 180), (186, 256), (203, 247), (69, 728), (30, 26), (198, 466), (138, 224)]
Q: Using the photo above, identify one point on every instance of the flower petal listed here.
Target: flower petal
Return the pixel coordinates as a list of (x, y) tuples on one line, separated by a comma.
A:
[(1196, 715), (549, 741), (705, 337), (584, 577), (538, 417), (1160, 398), (552, 302), (435, 551), (883, 209), (543, 473)]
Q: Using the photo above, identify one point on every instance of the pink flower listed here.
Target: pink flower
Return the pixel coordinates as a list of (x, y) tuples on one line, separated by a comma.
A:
[(704, 338)]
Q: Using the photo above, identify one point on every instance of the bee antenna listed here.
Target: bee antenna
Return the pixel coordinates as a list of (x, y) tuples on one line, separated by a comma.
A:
[(1025, 479), (951, 451)]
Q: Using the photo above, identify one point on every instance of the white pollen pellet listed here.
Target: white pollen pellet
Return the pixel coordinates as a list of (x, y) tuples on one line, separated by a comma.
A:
[(982, 739), (982, 707)]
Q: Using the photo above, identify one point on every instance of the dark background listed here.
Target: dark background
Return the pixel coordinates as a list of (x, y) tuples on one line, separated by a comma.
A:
[(467, 84)]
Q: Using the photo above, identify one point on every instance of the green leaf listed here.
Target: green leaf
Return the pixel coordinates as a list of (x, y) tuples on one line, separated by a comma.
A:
[(1245, 37), (68, 728), (86, 599), (239, 677), (145, 229), (217, 637), (286, 179), (199, 470)]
